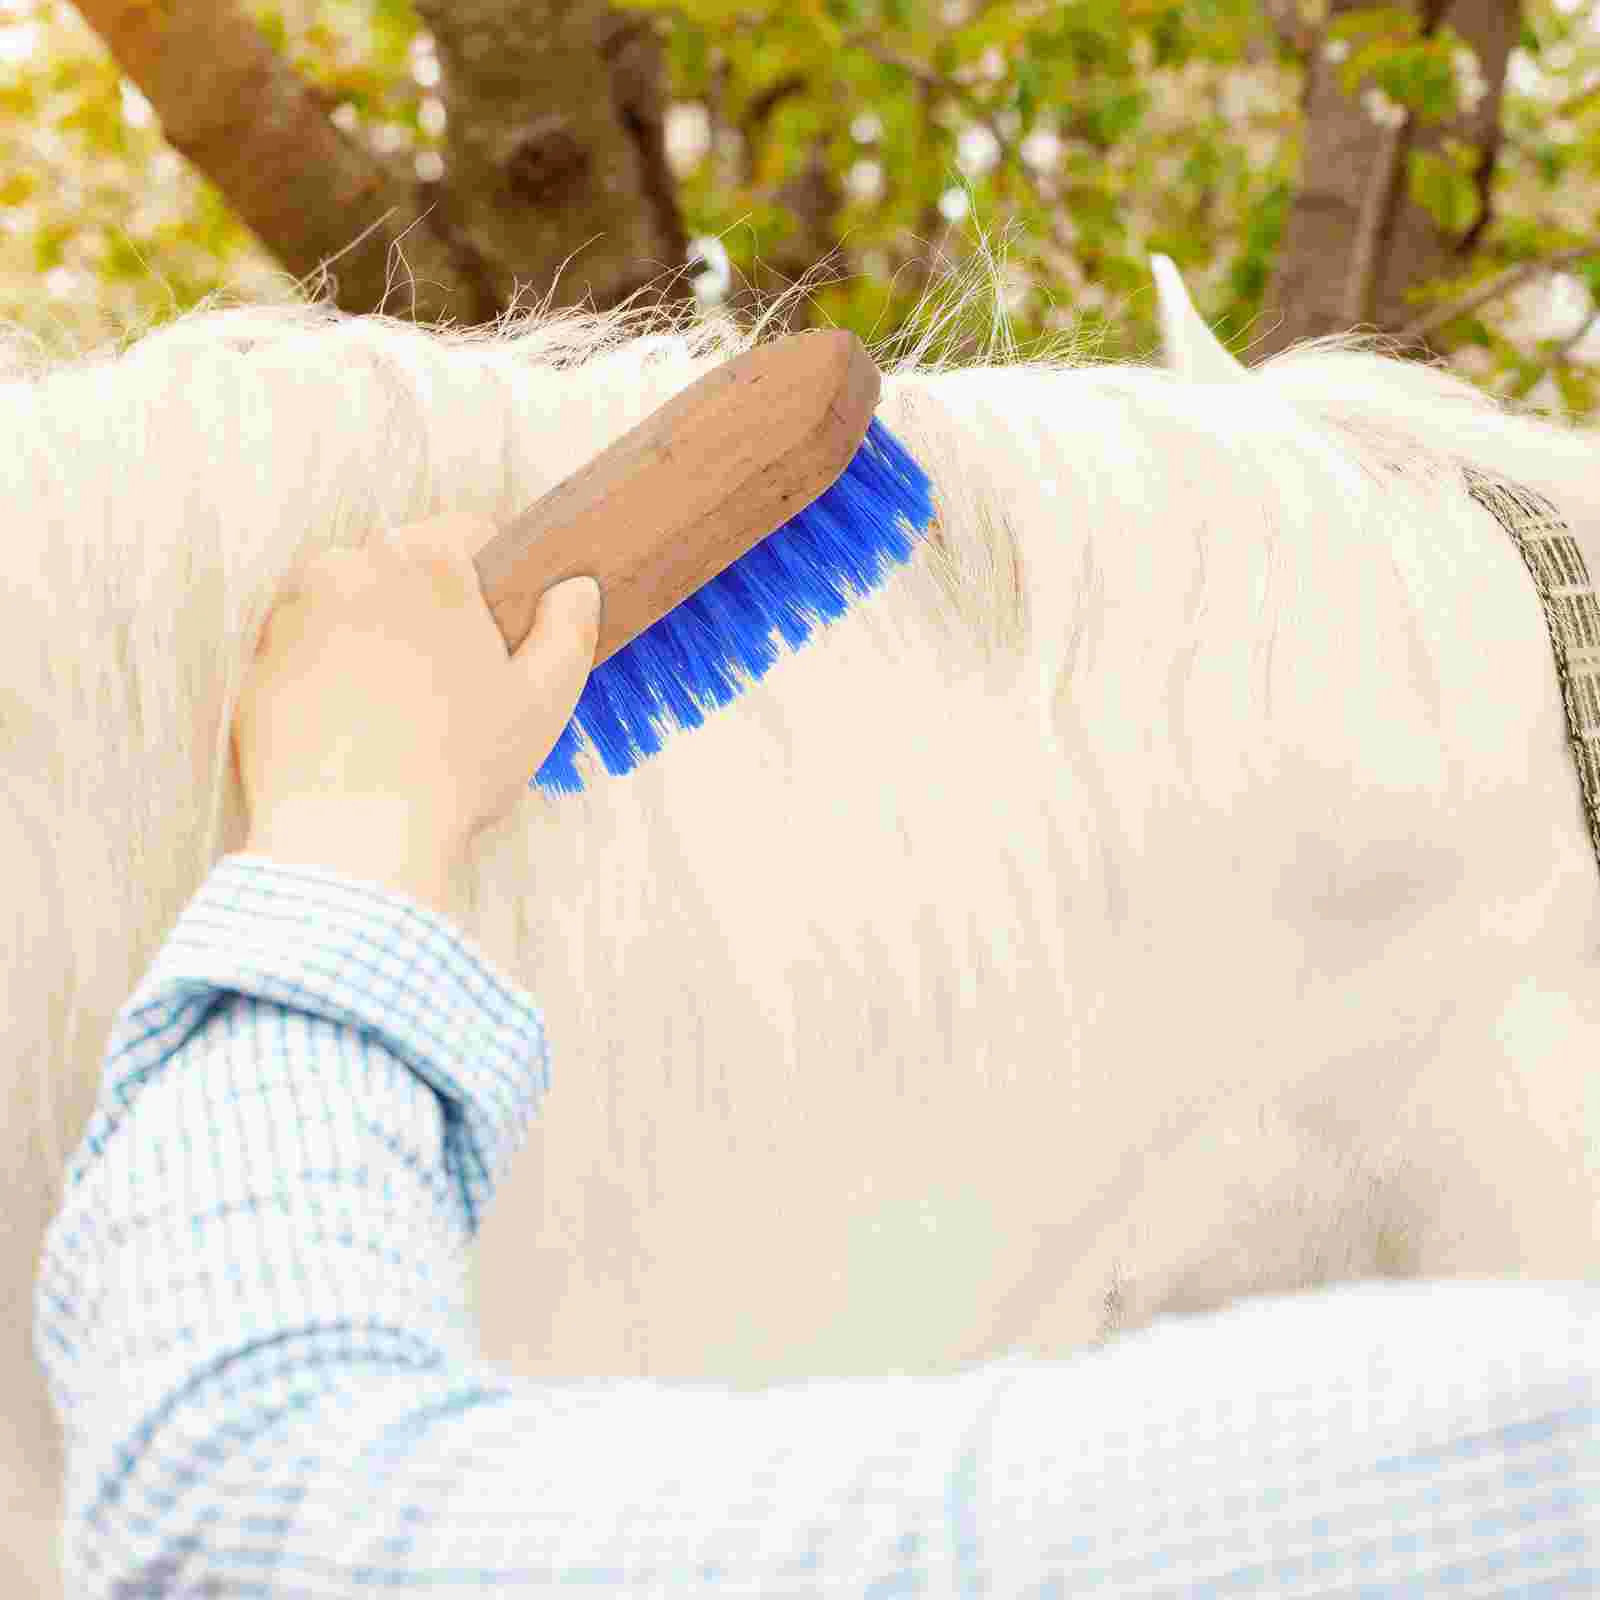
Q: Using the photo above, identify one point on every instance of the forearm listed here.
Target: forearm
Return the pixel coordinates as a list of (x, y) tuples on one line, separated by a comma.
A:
[(299, 1037), (306, 1106), (276, 1269)]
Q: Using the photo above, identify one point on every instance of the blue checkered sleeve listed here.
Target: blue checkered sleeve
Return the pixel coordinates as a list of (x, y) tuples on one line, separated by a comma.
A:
[(252, 1312)]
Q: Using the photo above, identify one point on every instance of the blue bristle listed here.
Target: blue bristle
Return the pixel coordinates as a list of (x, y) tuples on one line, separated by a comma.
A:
[(705, 652)]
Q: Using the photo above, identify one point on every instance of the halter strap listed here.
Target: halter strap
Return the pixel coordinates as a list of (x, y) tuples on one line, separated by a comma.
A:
[(1571, 613)]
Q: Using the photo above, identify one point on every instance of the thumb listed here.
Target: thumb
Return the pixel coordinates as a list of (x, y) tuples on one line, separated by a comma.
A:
[(554, 660)]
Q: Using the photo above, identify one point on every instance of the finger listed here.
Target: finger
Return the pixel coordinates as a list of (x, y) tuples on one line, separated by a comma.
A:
[(553, 662)]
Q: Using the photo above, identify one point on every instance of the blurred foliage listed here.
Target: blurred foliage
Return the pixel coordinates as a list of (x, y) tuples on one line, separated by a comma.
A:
[(1084, 134), (1080, 134)]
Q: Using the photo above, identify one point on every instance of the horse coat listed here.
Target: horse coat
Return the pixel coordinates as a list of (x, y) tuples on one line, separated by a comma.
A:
[(1175, 886)]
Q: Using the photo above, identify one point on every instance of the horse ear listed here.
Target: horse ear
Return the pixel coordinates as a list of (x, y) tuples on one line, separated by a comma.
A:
[(1191, 348)]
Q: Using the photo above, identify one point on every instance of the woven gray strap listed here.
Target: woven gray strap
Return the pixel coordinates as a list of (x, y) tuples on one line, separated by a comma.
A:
[(1571, 613)]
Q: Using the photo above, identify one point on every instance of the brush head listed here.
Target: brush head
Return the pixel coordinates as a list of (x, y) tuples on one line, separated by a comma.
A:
[(761, 498), (706, 650)]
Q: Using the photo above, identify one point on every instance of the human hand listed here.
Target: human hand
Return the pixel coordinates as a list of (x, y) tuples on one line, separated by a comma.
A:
[(382, 723)]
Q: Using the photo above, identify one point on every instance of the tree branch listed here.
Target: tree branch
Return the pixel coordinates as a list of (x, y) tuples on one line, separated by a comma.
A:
[(1352, 187), (234, 108), (754, 121), (762, 105), (1379, 203), (1501, 283), (1289, 27)]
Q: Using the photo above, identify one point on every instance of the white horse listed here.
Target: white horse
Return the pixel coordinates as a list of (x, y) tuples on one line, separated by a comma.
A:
[(1172, 887)]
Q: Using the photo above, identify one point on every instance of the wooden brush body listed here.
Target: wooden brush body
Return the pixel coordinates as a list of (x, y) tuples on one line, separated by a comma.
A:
[(659, 513)]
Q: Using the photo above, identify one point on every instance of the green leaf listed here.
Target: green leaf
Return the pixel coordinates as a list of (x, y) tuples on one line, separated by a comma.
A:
[(1026, 79), (1552, 161), (1394, 23), (1118, 115), (1421, 77), (1443, 190), (269, 19), (394, 26), (50, 245), (16, 188), (1577, 388), (20, 99)]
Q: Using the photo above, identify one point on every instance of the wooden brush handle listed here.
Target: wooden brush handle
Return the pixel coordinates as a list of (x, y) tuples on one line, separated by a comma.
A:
[(659, 513)]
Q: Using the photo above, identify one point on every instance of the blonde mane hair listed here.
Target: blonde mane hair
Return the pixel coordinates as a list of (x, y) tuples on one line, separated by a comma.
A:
[(1170, 887)]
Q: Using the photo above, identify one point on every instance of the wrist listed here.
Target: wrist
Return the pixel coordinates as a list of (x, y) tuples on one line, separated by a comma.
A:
[(367, 844)]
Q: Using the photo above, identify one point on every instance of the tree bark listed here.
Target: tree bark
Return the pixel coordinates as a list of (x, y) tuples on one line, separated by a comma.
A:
[(555, 147), (1354, 243), (555, 143)]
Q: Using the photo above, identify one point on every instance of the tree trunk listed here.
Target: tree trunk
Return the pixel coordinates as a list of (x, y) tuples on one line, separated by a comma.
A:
[(555, 148), (1355, 243)]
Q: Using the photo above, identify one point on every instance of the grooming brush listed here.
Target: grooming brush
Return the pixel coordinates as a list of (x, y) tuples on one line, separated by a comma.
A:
[(764, 496)]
